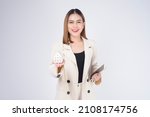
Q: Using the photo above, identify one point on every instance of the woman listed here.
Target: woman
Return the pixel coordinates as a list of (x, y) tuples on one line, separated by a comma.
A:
[(75, 60)]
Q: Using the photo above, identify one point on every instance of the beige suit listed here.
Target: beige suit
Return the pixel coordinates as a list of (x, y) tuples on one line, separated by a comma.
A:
[(68, 87)]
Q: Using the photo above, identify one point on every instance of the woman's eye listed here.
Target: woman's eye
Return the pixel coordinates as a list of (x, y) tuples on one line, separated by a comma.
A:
[(79, 22), (70, 22)]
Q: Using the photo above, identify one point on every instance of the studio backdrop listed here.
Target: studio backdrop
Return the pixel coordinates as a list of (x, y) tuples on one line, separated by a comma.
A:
[(120, 28)]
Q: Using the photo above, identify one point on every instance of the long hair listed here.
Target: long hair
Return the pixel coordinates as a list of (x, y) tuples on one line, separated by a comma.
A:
[(66, 35)]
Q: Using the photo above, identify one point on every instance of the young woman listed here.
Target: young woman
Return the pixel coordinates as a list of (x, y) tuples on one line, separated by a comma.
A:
[(75, 60)]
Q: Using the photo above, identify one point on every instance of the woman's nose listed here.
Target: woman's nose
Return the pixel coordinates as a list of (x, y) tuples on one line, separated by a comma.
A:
[(75, 25)]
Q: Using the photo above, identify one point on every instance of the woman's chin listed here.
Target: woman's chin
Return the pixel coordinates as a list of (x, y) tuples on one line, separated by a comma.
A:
[(75, 34)]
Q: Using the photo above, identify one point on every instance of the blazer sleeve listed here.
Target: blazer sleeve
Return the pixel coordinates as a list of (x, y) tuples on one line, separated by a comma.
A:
[(95, 64), (56, 47)]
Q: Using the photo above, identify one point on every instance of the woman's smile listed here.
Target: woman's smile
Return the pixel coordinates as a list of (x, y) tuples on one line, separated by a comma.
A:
[(75, 30)]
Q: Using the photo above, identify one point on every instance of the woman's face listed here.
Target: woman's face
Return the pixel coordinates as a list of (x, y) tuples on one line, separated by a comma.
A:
[(75, 25)]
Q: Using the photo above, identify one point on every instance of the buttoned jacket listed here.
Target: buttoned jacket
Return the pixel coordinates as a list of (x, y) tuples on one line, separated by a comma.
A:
[(68, 87)]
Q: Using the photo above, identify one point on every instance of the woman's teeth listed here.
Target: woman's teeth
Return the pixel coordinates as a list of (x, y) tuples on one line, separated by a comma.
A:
[(75, 30)]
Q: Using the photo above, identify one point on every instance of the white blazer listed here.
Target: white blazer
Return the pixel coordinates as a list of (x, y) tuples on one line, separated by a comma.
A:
[(67, 87)]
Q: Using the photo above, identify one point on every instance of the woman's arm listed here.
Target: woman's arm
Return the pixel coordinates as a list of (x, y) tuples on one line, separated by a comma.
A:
[(96, 69), (56, 61)]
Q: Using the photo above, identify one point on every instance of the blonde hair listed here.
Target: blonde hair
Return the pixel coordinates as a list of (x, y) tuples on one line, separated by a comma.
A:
[(66, 35)]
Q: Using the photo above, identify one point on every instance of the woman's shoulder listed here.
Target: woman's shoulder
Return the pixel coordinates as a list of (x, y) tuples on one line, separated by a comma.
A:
[(90, 42)]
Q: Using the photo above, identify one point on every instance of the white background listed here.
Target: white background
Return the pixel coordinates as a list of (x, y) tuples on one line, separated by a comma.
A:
[(119, 27)]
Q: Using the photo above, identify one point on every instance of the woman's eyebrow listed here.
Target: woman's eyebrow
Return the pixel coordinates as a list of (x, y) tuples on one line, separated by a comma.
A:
[(79, 20), (70, 20), (76, 20)]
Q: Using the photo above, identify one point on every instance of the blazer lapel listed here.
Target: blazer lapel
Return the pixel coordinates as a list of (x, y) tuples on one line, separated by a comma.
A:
[(88, 55), (69, 53)]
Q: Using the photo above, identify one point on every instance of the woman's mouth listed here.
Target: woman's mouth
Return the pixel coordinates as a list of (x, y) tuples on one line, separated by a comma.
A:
[(75, 30)]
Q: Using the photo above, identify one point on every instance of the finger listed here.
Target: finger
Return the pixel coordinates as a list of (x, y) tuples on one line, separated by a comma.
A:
[(94, 78), (58, 65), (98, 74), (97, 78)]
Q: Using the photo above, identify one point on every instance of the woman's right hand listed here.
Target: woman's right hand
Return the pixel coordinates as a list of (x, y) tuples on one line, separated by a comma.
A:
[(58, 60), (59, 64)]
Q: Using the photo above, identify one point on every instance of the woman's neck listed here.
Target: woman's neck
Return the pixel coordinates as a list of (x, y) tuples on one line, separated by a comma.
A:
[(76, 39)]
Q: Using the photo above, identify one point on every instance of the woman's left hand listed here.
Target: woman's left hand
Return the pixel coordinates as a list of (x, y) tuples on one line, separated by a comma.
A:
[(96, 77)]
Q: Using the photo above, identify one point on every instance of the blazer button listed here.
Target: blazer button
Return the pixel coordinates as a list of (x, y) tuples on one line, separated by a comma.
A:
[(68, 81), (87, 80), (68, 92), (88, 91)]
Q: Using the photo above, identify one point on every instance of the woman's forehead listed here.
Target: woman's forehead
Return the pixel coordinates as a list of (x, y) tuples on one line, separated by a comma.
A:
[(75, 17)]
